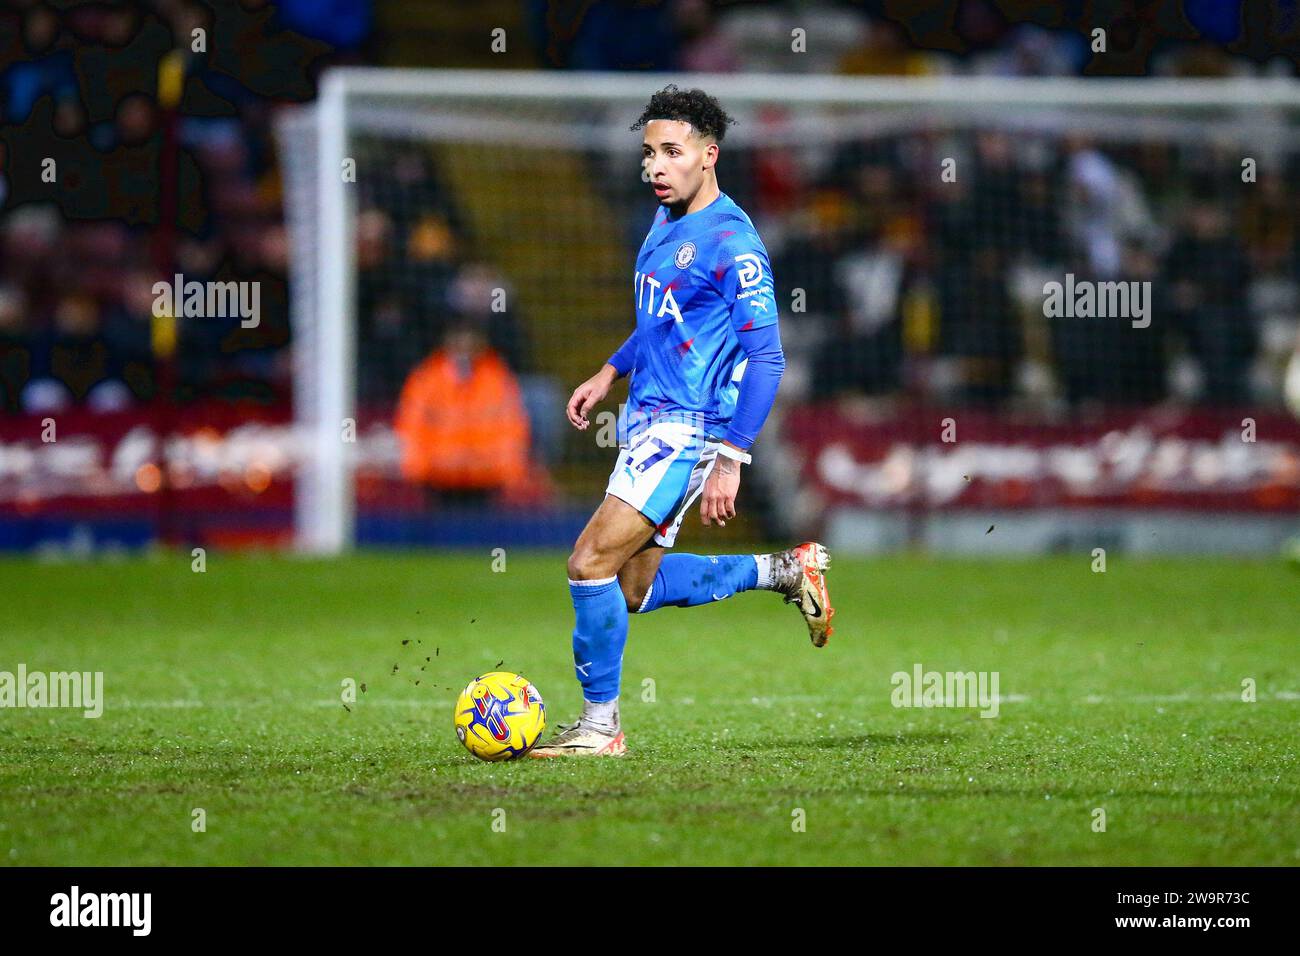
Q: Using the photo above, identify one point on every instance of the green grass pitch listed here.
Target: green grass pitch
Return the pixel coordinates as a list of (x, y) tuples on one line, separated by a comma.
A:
[(1121, 691)]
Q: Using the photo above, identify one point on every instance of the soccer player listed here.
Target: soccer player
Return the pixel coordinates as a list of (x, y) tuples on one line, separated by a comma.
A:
[(706, 360)]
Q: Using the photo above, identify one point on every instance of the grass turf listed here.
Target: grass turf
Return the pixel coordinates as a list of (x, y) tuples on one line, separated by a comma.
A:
[(1120, 690)]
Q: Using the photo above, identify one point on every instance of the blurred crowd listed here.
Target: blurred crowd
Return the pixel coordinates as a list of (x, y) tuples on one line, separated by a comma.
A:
[(970, 37), (912, 282), (921, 285), (80, 323), (107, 192)]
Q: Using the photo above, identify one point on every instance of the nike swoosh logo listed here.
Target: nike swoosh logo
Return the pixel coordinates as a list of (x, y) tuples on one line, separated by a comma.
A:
[(723, 598), (817, 610)]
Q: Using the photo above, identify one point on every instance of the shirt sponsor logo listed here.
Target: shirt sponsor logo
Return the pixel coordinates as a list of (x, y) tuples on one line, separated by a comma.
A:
[(646, 289), (749, 269)]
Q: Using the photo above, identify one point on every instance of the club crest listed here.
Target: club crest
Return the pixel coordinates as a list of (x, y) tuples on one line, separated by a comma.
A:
[(685, 255)]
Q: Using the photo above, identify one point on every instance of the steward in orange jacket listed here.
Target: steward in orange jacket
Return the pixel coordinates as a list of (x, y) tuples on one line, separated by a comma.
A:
[(461, 421)]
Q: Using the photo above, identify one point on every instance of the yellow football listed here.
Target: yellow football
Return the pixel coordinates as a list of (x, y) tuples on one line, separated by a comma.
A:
[(500, 716)]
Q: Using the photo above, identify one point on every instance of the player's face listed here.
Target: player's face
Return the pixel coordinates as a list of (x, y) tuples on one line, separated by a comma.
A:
[(676, 159)]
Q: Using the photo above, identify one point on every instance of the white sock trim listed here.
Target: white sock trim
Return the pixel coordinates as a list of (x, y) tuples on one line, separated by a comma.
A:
[(594, 583), (764, 562), (646, 600)]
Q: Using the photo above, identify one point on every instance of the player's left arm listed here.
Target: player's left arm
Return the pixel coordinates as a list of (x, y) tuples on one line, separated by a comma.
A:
[(747, 285)]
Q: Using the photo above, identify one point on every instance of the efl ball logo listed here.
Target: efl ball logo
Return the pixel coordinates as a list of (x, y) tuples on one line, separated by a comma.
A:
[(685, 255)]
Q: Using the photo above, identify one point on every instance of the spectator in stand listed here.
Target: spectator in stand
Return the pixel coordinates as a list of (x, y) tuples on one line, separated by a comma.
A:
[(390, 344), (885, 51), (15, 356), (704, 48), (978, 327), (462, 426), (1206, 275), (1270, 224), (979, 222), (128, 329), (1030, 50), (1105, 210), (72, 363), (1110, 236), (482, 295), (604, 35), (865, 352), (1135, 361)]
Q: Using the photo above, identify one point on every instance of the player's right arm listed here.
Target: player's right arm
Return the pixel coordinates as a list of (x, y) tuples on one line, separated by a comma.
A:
[(593, 391)]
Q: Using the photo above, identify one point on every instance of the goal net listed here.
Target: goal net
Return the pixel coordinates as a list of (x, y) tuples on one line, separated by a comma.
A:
[(982, 283)]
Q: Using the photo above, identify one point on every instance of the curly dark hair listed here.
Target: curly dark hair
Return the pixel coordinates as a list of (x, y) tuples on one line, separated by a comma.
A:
[(696, 107)]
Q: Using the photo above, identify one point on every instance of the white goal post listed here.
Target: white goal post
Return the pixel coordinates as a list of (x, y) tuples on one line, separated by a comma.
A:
[(315, 143)]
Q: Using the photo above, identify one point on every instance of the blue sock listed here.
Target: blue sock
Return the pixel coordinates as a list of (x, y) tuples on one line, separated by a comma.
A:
[(685, 580), (599, 636)]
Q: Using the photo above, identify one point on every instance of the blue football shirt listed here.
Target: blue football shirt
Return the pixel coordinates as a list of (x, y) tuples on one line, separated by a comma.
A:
[(700, 279)]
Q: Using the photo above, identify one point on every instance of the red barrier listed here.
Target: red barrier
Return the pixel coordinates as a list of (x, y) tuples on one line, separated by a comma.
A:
[(1188, 459)]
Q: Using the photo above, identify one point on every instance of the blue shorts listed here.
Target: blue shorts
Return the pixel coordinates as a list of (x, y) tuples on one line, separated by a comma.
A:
[(661, 472)]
